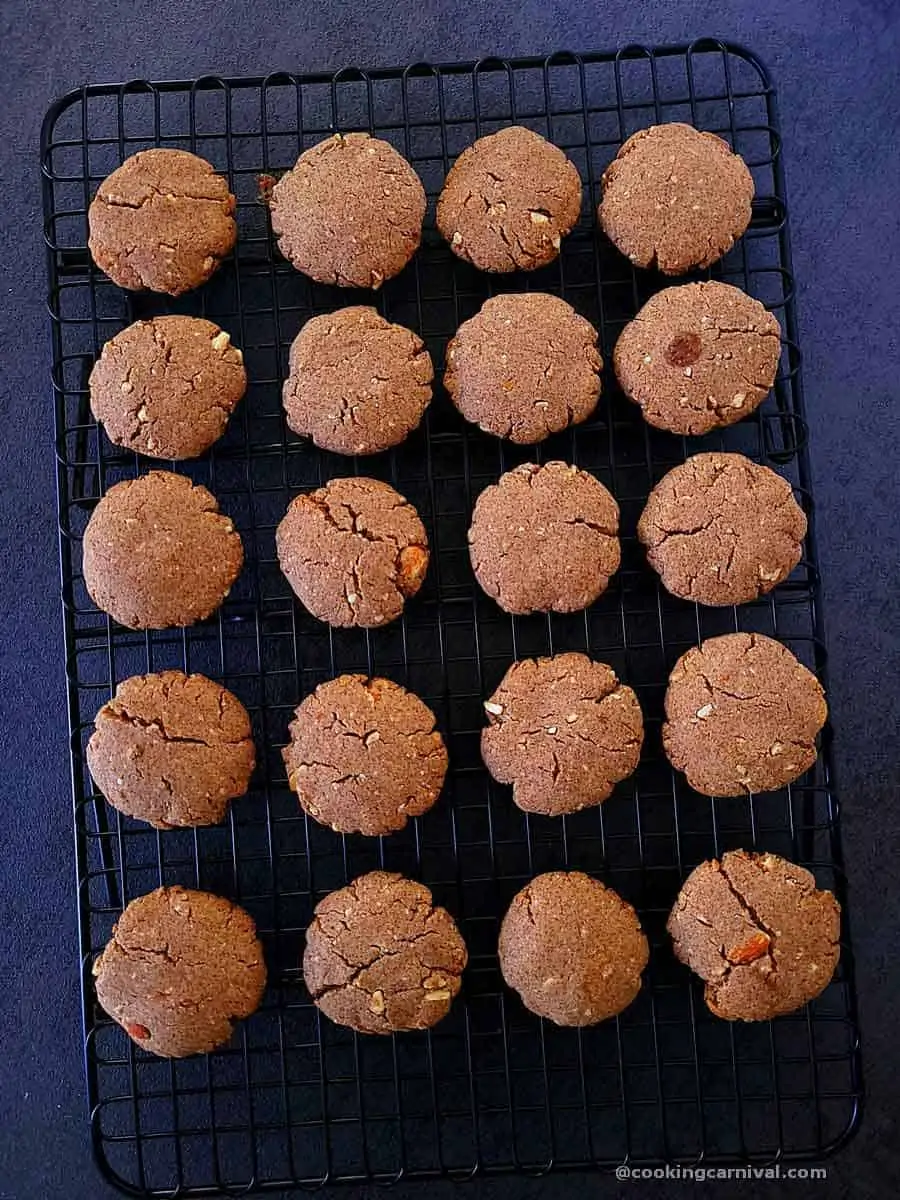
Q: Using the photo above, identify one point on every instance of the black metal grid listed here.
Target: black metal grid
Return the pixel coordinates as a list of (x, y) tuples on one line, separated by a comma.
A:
[(294, 1099)]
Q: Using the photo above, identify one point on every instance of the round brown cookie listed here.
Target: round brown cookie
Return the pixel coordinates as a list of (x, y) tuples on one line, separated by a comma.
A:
[(545, 539), (573, 949), (163, 221), (755, 928), (353, 551), (675, 198), (720, 529), (172, 749), (181, 967), (742, 715), (509, 200), (364, 755), (157, 552), (349, 212), (357, 383), (563, 731), (381, 957), (166, 387), (525, 366), (698, 357)]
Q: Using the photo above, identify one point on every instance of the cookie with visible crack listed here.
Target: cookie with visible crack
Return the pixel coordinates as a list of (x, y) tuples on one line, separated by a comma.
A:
[(563, 731), (172, 749), (353, 551), (760, 934), (742, 715), (573, 949), (357, 384), (157, 552), (364, 756), (525, 366), (163, 221), (181, 967), (166, 387), (720, 529), (509, 200), (545, 539), (349, 212), (698, 357), (381, 957), (675, 198)]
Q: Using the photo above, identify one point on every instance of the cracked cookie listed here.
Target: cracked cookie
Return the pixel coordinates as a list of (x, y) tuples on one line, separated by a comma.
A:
[(354, 551), (755, 928), (172, 749), (525, 366), (357, 384), (364, 756), (545, 539), (573, 949), (698, 357), (381, 957), (675, 198), (166, 387), (563, 731), (720, 529), (163, 221), (509, 200), (349, 212), (742, 715), (181, 967), (157, 552)]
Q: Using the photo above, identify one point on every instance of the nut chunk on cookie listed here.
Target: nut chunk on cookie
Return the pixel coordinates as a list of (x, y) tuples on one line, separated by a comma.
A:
[(182, 966), (353, 551), (742, 715), (163, 221), (357, 384), (349, 212), (573, 949), (675, 198), (545, 539), (364, 755), (381, 957), (758, 932), (509, 200), (563, 731), (172, 749)]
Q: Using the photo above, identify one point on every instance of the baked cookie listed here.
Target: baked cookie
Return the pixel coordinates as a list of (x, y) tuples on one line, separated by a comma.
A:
[(720, 529), (525, 366), (381, 957), (172, 749), (357, 384), (563, 731), (742, 715), (573, 949), (545, 539), (349, 212), (163, 221), (354, 551), (157, 552), (167, 386), (758, 932), (181, 967), (698, 357), (364, 755), (509, 200), (675, 198)]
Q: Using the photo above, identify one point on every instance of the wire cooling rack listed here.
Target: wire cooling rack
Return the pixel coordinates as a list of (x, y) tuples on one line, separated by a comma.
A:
[(294, 1099)]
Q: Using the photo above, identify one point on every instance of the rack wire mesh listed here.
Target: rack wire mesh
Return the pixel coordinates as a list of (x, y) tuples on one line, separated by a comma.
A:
[(294, 1099)]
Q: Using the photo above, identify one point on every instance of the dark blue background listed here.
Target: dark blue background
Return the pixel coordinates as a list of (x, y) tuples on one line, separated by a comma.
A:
[(837, 68)]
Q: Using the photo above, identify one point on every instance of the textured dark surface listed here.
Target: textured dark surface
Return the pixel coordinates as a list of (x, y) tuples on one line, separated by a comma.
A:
[(835, 66)]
